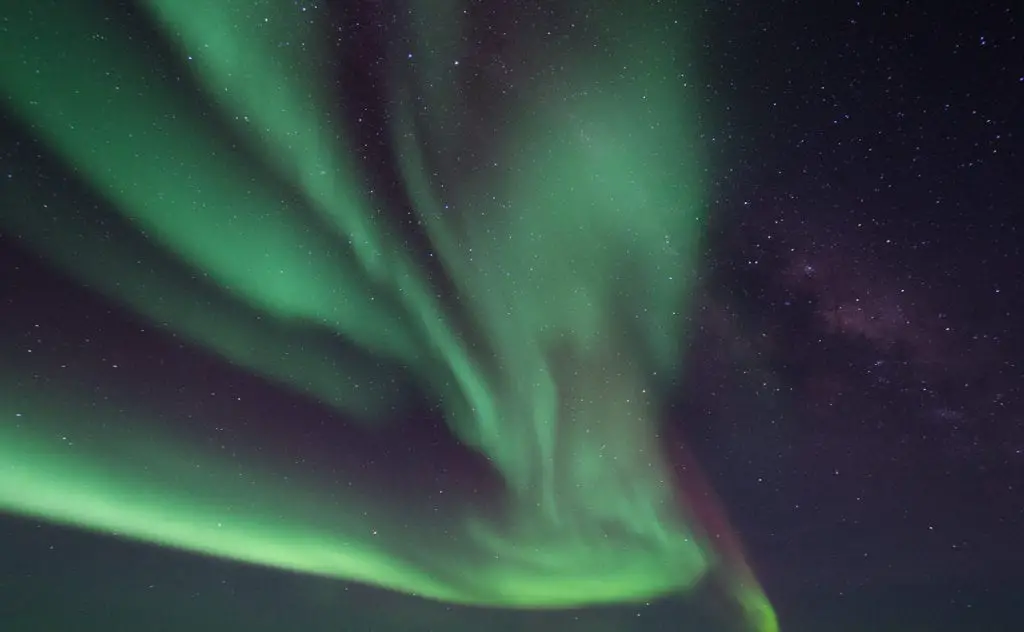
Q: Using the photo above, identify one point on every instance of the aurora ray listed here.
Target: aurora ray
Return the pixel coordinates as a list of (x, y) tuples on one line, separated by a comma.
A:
[(597, 202)]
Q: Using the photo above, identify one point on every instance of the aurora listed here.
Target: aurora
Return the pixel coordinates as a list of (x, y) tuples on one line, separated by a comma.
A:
[(568, 249)]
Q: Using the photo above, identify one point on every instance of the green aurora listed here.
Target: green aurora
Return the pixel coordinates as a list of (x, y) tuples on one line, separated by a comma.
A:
[(568, 262)]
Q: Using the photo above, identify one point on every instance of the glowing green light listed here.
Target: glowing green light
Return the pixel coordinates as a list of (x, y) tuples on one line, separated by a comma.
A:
[(572, 261)]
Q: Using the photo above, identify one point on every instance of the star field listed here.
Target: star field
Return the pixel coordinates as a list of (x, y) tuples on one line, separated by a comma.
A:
[(554, 316)]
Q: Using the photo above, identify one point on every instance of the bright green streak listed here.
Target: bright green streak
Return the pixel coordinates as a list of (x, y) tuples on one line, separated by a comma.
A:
[(572, 260), (92, 471)]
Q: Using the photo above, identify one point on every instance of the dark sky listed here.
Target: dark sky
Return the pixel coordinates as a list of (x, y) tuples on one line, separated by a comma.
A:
[(869, 273), (853, 390)]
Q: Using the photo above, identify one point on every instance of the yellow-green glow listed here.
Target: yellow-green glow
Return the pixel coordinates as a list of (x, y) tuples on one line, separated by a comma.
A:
[(571, 261)]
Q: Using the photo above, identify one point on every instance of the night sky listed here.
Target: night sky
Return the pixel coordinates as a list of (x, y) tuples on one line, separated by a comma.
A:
[(544, 315)]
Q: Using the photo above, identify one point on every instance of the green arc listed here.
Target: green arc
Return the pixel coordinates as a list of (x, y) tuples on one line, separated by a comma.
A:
[(573, 262)]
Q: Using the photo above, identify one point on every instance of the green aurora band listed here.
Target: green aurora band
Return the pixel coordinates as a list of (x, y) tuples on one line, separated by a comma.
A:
[(568, 262)]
